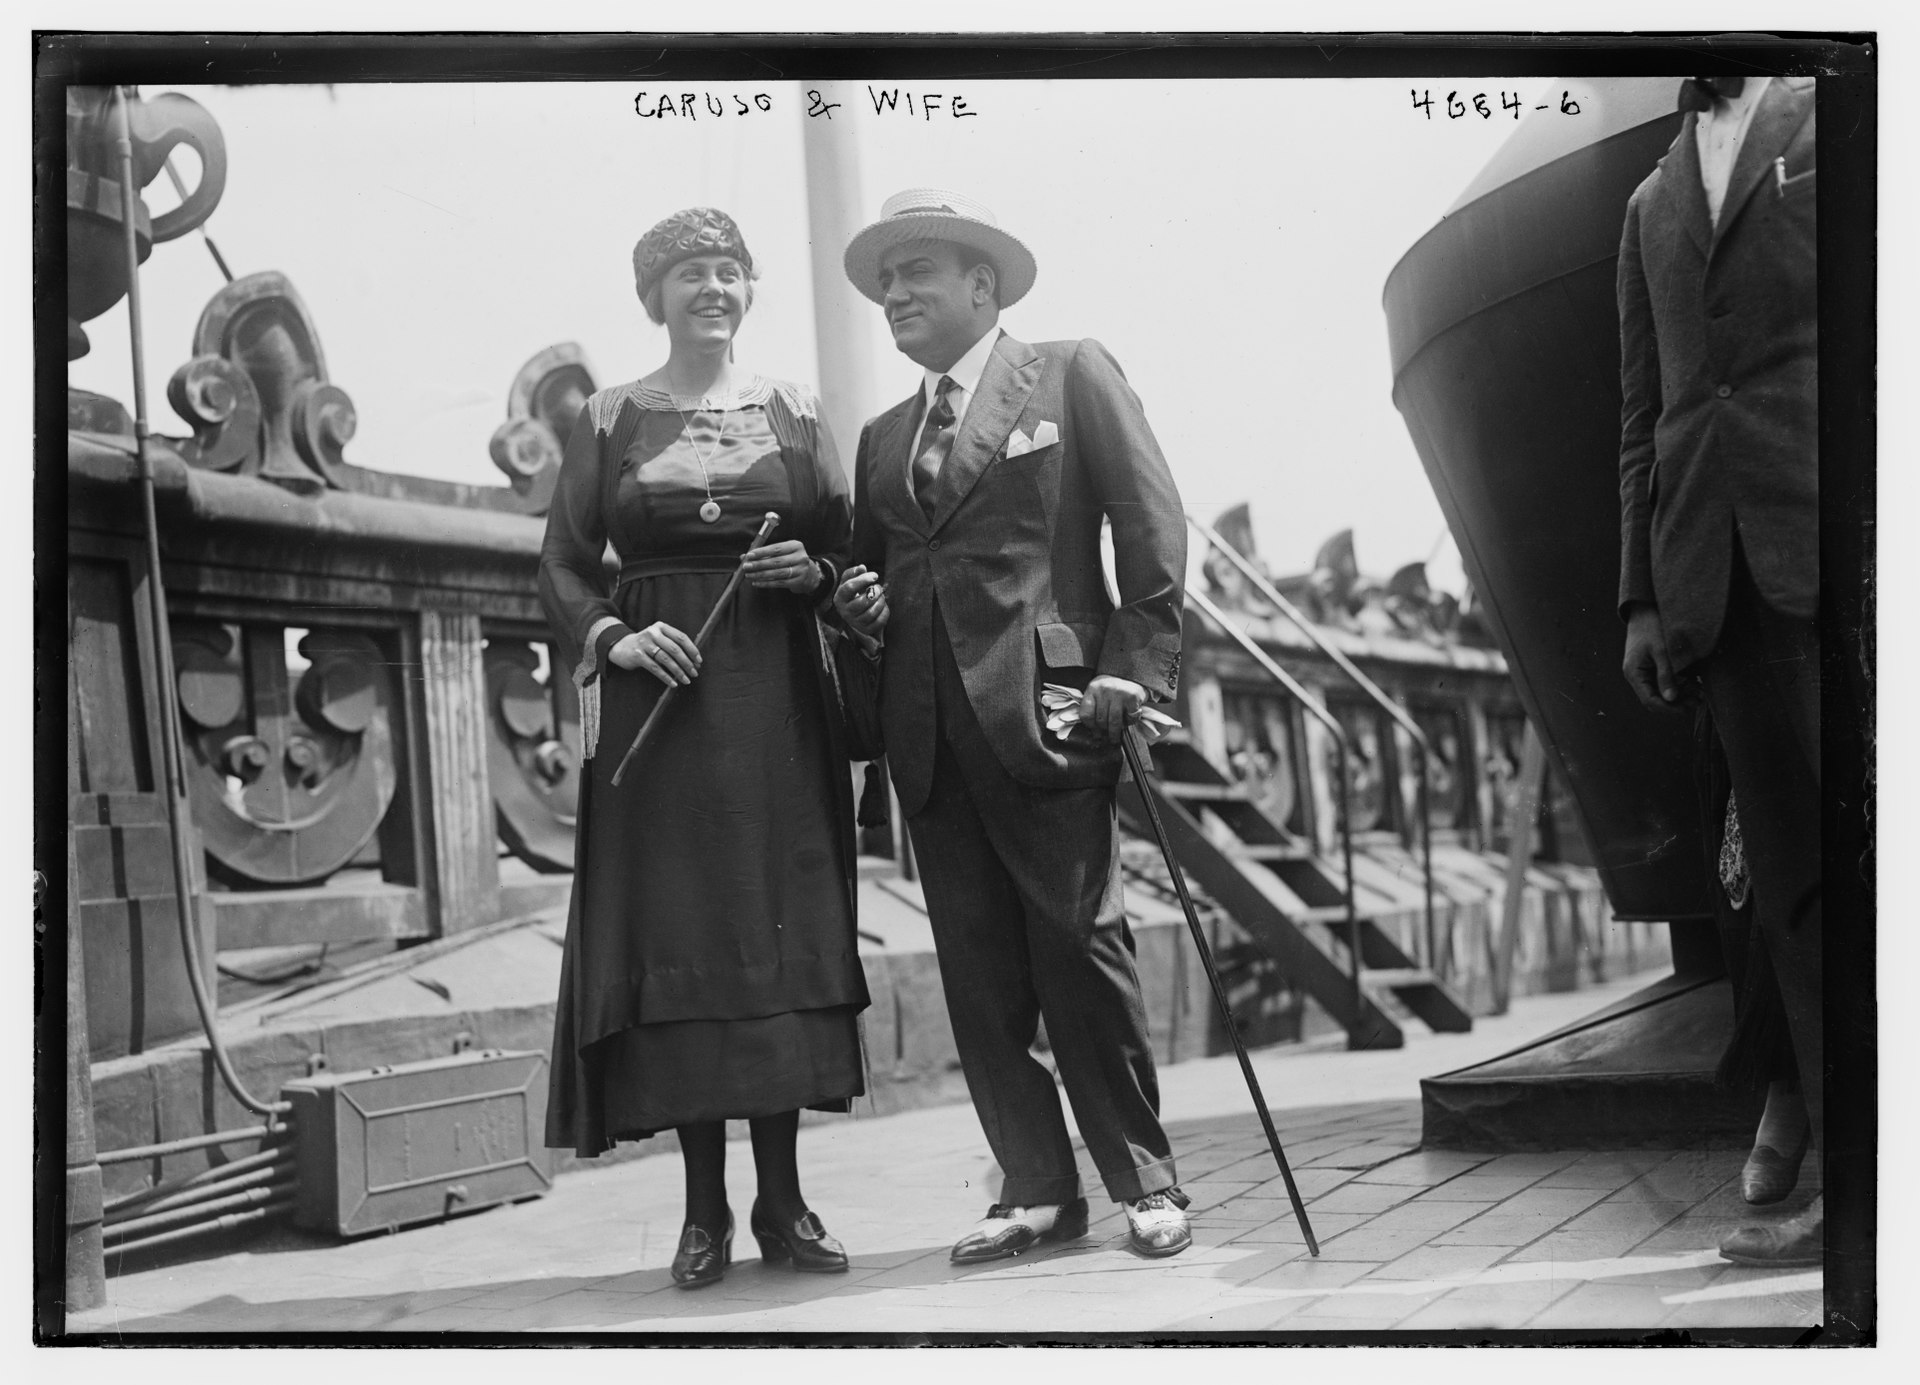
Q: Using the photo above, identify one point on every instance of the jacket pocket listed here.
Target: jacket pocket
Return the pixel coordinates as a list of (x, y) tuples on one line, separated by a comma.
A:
[(1796, 187), (1070, 644), (1029, 461), (1033, 454)]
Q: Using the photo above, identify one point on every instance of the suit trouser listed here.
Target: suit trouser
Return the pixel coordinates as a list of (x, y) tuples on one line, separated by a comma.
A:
[(1763, 683), (1023, 892)]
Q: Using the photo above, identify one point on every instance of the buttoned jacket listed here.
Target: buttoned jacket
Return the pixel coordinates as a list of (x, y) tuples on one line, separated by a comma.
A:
[(1718, 370), (1011, 555)]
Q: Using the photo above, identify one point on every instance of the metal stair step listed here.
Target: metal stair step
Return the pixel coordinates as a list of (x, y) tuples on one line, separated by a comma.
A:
[(1328, 913), (1206, 821), (1206, 793), (1396, 978), (1277, 851)]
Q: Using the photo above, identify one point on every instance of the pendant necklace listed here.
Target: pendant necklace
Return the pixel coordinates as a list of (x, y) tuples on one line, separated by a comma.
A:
[(709, 512)]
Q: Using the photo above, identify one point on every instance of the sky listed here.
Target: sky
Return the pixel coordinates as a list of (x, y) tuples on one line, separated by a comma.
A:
[(1228, 241)]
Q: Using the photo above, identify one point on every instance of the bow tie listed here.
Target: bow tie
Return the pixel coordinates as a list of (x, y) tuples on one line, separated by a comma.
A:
[(1699, 93)]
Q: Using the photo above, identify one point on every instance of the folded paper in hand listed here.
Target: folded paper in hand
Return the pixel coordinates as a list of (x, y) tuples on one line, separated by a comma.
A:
[(1062, 707)]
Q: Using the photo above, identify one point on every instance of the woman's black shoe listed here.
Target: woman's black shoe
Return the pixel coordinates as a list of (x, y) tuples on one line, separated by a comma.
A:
[(806, 1243), (699, 1261)]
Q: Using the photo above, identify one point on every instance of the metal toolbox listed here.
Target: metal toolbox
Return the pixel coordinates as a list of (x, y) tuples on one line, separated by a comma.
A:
[(416, 1142)]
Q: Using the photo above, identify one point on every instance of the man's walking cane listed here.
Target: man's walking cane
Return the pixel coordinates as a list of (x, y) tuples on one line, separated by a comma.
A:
[(767, 526), (1219, 989)]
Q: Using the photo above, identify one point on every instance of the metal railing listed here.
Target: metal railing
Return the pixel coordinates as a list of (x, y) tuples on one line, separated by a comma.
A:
[(1200, 601), (1422, 747)]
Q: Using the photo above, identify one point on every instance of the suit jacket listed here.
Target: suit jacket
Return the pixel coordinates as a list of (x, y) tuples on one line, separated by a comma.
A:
[(1718, 373), (1012, 554)]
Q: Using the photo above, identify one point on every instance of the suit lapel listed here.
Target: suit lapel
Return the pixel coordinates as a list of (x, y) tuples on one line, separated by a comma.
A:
[(1781, 114), (1013, 369), (1687, 196), (892, 436)]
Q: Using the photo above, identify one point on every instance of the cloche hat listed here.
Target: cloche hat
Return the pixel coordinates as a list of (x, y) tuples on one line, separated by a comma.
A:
[(937, 214), (694, 231)]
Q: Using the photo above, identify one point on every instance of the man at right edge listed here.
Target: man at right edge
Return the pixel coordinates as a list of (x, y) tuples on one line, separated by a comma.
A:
[(1719, 571)]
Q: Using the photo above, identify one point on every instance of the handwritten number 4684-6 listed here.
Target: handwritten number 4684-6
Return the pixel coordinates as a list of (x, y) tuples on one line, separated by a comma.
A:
[(1455, 106)]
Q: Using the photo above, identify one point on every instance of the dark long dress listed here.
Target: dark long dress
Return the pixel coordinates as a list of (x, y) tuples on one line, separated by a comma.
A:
[(711, 967)]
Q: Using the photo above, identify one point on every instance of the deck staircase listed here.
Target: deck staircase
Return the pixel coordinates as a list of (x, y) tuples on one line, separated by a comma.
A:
[(1291, 901)]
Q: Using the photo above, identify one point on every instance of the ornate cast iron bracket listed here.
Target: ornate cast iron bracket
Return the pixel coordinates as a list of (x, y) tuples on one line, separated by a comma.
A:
[(533, 755), (545, 400), (96, 222), (289, 774), (257, 393)]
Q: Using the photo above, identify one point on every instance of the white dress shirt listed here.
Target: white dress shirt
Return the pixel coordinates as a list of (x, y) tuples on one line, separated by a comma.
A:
[(1717, 135), (966, 374)]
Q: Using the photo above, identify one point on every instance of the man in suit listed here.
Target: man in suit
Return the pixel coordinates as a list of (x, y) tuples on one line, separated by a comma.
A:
[(1719, 579), (979, 500)]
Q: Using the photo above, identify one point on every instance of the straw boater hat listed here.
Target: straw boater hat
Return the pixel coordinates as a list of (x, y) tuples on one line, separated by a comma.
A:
[(936, 214)]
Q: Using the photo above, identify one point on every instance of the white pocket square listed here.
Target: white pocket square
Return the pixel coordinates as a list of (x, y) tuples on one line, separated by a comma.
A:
[(1019, 444), (1045, 435)]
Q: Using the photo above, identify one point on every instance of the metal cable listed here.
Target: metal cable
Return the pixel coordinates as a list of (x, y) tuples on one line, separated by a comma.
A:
[(212, 249), (187, 1142), (193, 1214), (218, 1173), (195, 1199), (175, 772), (226, 1223)]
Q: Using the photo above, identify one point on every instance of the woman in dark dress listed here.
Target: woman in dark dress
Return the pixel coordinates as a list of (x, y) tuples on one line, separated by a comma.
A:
[(711, 968)]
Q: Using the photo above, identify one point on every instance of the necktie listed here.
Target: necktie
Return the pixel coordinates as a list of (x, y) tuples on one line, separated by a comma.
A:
[(939, 442), (1699, 93)]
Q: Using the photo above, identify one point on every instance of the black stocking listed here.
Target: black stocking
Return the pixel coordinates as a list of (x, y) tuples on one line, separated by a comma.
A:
[(703, 1149), (775, 1166)]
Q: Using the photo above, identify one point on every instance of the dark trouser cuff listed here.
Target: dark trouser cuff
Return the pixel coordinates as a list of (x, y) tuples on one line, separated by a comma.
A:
[(1130, 1185), (1039, 1192)]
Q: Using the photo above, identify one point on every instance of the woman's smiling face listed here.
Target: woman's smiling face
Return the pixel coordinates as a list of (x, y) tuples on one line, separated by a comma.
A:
[(703, 300)]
